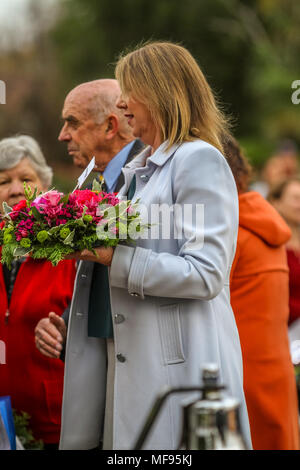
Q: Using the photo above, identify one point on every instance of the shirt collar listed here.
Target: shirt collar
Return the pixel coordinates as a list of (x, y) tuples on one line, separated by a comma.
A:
[(114, 167)]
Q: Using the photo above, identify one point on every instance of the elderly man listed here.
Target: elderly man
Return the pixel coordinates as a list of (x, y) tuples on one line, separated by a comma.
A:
[(93, 126)]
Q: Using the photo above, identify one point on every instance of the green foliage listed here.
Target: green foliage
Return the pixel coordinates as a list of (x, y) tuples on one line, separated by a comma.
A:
[(52, 253), (29, 194), (257, 150), (24, 433), (248, 49), (90, 36)]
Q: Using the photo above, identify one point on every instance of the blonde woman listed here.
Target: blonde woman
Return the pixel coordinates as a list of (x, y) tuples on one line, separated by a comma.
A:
[(170, 292)]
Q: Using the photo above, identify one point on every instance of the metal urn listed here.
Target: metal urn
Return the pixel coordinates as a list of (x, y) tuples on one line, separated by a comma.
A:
[(211, 422)]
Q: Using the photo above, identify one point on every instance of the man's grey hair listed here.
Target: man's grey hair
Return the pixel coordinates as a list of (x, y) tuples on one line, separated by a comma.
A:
[(102, 104), (102, 101), (14, 149)]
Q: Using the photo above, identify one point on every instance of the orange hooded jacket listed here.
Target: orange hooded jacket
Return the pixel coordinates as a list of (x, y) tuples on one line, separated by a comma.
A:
[(260, 301)]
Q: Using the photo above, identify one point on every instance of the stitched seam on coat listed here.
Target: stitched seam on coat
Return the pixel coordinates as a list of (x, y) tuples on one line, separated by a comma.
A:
[(171, 334)]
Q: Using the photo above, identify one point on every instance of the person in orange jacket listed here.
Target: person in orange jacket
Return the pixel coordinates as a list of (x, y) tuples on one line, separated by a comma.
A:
[(259, 287)]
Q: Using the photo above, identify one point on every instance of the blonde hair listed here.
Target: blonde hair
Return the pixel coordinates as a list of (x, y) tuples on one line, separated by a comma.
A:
[(167, 79)]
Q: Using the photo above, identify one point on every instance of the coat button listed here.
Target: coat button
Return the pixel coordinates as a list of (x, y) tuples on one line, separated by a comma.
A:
[(134, 294), (121, 358), (119, 318)]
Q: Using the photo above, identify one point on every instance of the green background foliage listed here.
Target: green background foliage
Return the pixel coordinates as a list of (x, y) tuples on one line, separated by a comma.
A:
[(248, 49)]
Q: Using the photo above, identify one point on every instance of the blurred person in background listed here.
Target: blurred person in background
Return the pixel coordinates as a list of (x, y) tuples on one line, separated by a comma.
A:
[(285, 197), (282, 165), (260, 301), (28, 292)]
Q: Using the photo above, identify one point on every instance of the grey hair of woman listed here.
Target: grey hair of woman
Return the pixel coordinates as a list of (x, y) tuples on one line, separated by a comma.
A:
[(14, 149)]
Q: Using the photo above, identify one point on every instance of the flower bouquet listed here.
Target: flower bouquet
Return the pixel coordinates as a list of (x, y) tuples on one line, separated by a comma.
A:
[(53, 225)]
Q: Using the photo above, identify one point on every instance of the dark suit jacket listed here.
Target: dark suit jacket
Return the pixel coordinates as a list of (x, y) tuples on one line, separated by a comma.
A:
[(136, 148)]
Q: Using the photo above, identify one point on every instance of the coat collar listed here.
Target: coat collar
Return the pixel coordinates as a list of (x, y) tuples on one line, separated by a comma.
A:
[(159, 157), (144, 159)]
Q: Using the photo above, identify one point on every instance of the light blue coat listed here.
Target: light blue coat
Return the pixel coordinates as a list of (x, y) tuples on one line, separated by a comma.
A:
[(170, 305)]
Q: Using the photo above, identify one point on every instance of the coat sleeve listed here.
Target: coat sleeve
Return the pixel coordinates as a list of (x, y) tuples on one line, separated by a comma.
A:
[(235, 262), (205, 252)]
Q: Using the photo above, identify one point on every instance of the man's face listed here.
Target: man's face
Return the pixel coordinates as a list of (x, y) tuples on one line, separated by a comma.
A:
[(83, 135)]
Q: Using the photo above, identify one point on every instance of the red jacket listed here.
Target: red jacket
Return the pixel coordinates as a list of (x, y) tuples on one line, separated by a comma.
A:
[(260, 301), (33, 381), (293, 258)]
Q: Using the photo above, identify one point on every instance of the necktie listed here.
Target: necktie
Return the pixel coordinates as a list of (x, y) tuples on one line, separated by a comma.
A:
[(102, 181), (132, 188), (99, 315)]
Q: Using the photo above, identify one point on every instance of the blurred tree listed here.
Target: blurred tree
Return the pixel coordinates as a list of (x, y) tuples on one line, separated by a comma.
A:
[(91, 34), (33, 103), (272, 30), (248, 49)]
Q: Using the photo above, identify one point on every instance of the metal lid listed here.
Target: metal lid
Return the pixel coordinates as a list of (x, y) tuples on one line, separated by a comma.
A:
[(210, 373), (225, 404)]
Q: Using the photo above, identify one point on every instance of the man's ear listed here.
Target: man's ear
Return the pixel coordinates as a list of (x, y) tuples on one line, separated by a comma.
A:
[(112, 126)]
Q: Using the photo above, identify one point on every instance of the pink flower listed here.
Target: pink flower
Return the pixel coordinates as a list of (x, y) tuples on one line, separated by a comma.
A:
[(84, 196), (49, 205), (110, 199), (131, 210), (21, 233), (51, 198)]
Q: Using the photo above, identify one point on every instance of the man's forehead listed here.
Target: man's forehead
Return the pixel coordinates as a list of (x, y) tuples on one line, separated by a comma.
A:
[(75, 109)]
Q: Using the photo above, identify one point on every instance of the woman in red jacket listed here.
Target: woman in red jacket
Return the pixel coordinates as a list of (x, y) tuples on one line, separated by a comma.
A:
[(28, 292), (260, 300), (286, 199)]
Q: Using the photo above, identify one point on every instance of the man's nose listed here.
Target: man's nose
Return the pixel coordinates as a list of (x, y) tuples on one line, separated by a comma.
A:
[(64, 135)]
